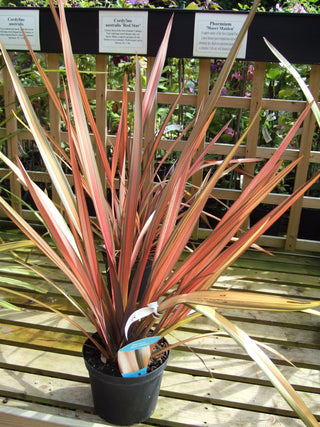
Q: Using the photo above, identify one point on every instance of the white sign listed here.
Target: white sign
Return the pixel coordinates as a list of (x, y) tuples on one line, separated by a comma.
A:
[(215, 33), (123, 32), (11, 22)]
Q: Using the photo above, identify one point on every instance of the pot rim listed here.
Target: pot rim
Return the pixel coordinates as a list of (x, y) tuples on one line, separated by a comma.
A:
[(129, 380)]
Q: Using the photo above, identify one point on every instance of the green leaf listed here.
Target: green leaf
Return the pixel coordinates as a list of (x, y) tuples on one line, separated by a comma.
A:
[(19, 283), (47, 153), (12, 246), (287, 93), (6, 304), (274, 73), (238, 301), (285, 63), (263, 361)]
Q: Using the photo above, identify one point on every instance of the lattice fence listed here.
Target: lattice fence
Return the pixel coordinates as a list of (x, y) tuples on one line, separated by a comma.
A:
[(289, 228)]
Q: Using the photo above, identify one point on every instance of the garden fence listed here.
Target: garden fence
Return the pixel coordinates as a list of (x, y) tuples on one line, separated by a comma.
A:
[(288, 238)]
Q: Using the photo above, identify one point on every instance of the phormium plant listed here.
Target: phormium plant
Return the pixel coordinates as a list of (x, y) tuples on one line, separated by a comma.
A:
[(141, 219)]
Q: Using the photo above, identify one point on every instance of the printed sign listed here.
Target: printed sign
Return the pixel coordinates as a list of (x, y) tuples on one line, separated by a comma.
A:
[(215, 33), (123, 32), (11, 22), (133, 359)]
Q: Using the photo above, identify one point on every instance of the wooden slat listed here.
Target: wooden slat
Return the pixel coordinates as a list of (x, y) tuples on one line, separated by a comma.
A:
[(255, 105), (12, 141), (54, 118), (252, 139), (101, 99), (302, 168), (16, 417), (151, 122), (203, 89), (44, 382)]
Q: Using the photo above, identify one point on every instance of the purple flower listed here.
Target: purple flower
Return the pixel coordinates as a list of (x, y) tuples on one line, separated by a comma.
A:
[(229, 131), (138, 2), (209, 4), (216, 65), (298, 8), (237, 75), (280, 128), (224, 91), (250, 73), (116, 59)]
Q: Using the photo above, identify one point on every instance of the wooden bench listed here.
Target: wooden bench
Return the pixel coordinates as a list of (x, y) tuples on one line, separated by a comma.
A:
[(44, 382)]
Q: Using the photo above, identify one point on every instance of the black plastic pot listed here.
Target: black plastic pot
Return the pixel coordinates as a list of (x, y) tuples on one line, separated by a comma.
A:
[(123, 401)]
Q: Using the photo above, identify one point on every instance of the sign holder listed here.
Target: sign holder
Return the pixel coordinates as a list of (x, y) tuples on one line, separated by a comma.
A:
[(294, 35), (11, 22)]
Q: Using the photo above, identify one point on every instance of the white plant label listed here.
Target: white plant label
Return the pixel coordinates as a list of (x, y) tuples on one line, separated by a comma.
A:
[(139, 314), (123, 32), (133, 359), (11, 22), (215, 33)]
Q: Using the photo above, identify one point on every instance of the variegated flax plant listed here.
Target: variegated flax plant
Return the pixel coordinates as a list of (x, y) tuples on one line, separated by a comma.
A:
[(146, 220)]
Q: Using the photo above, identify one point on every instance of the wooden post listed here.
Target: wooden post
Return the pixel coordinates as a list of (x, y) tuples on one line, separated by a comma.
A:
[(255, 105), (12, 142), (203, 91), (302, 168), (151, 122), (53, 64), (101, 105)]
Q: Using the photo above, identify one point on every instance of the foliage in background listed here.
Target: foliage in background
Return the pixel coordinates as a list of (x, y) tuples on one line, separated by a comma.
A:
[(278, 83)]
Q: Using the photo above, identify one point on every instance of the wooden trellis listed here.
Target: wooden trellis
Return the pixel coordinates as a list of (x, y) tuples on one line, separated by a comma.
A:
[(288, 240)]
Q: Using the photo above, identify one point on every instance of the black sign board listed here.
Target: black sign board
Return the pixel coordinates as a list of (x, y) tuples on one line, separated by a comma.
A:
[(296, 36)]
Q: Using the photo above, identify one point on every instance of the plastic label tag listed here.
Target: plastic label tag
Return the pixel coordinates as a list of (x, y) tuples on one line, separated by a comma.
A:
[(140, 314), (133, 359)]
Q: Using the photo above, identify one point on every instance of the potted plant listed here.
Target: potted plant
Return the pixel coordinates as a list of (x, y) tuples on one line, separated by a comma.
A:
[(141, 219)]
